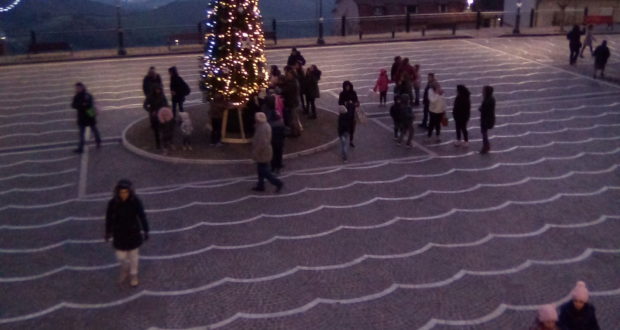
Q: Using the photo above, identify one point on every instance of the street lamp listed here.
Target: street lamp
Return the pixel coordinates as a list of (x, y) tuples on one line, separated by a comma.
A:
[(119, 29), (469, 3), (320, 41), (518, 21)]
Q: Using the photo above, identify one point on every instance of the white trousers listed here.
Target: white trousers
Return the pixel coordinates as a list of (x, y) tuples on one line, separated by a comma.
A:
[(129, 259)]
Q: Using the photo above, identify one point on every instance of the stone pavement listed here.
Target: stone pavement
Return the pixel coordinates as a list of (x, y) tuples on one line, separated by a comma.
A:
[(430, 237)]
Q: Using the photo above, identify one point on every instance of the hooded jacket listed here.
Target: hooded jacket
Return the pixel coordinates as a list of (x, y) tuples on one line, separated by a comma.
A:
[(82, 102), (462, 104), (382, 83), (125, 220)]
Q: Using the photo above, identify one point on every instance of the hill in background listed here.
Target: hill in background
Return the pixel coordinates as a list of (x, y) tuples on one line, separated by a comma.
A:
[(88, 24)]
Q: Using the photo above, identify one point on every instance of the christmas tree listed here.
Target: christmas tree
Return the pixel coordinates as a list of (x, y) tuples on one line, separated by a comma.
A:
[(234, 61)]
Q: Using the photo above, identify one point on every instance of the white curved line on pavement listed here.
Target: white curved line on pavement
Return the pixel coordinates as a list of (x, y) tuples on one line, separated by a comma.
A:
[(33, 190), (38, 133), (392, 288), (273, 239), (551, 143), (37, 175), (37, 161)]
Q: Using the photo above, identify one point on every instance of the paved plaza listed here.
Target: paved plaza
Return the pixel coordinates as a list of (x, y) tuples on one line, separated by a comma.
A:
[(434, 237)]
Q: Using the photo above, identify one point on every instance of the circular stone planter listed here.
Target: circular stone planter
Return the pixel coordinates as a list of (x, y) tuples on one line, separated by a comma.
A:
[(318, 135)]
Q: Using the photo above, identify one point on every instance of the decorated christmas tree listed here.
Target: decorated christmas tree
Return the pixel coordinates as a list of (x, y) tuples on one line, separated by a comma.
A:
[(234, 60)]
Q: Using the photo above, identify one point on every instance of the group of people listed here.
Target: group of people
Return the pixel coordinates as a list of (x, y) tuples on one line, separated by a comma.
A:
[(601, 53), (407, 84), (577, 314), (162, 117)]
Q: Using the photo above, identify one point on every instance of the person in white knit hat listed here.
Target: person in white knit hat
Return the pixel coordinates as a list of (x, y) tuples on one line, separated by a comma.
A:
[(578, 314), (547, 318)]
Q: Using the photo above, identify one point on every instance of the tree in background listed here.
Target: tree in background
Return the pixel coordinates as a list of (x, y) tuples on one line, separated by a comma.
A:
[(234, 63)]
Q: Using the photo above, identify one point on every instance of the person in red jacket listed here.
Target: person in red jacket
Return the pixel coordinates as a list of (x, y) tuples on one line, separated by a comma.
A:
[(381, 86)]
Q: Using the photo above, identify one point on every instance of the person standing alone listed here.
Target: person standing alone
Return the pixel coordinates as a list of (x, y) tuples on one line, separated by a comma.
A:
[(84, 103), (461, 112), (126, 224), (262, 153)]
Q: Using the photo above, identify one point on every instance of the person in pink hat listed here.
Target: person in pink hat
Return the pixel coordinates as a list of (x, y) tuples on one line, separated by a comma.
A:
[(547, 318), (578, 314)]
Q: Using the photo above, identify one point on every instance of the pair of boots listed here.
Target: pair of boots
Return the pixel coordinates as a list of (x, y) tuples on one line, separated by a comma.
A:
[(133, 278)]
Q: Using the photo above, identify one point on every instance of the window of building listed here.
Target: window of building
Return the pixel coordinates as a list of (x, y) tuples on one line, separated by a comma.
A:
[(443, 8), (379, 11), (412, 9)]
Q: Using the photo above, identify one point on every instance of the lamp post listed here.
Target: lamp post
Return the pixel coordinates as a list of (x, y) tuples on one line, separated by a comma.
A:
[(119, 29), (518, 21), (320, 40), (469, 4)]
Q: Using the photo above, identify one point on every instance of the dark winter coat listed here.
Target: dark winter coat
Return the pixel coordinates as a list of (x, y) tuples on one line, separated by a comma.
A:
[(462, 108), (574, 37), (350, 101), (311, 84), (290, 93), (179, 87), (149, 83), (487, 113), (344, 123), (296, 58), (153, 103), (425, 100), (82, 102), (601, 55), (572, 319), (125, 221), (394, 71)]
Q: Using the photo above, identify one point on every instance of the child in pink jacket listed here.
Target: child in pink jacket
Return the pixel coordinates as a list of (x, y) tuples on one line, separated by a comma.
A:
[(382, 87)]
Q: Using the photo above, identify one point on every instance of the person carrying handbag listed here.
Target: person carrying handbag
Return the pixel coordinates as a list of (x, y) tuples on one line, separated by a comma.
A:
[(348, 99), (84, 103)]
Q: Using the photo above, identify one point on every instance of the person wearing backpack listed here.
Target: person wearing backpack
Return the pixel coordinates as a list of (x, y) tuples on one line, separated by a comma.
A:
[(178, 89), (126, 225), (84, 103), (405, 119)]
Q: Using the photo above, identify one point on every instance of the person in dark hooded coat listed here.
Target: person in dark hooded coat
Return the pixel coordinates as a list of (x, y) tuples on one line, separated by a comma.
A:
[(461, 113), (601, 55), (574, 43), (487, 117), (126, 224), (178, 89), (84, 103), (348, 99)]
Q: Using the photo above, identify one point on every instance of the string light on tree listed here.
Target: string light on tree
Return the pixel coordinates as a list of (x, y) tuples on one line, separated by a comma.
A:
[(234, 63)]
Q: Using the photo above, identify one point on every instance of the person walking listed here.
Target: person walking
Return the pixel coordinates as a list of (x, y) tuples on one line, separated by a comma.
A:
[(461, 113), (588, 40), (152, 104), (84, 103), (601, 55), (437, 109), (430, 80), (348, 99), (150, 81), (311, 89), (126, 225), (405, 120), (578, 314), (487, 117), (547, 318), (178, 89), (262, 153), (574, 44), (343, 132), (381, 87)]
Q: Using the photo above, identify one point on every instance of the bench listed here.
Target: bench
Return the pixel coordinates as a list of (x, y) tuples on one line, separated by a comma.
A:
[(47, 47), (184, 39)]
